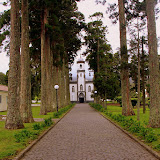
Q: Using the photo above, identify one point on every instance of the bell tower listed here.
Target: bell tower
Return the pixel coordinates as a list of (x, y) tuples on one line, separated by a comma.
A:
[(81, 89)]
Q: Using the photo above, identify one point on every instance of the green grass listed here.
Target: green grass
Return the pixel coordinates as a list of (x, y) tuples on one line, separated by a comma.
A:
[(36, 111), (144, 119), (8, 145), (3, 113)]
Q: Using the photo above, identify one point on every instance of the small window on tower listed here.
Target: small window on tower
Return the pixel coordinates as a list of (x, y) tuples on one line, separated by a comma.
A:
[(81, 75), (89, 74), (89, 88), (80, 66), (81, 87), (73, 89)]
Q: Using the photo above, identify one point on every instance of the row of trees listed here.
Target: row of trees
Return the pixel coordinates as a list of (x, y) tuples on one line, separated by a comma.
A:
[(52, 35), (40, 37), (129, 11)]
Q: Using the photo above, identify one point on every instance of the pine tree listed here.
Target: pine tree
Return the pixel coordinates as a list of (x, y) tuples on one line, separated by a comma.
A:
[(154, 119), (14, 120), (25, 93)]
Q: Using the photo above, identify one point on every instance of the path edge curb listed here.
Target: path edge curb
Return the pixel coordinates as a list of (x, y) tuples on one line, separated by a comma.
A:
[(146, 147), (24, 151)]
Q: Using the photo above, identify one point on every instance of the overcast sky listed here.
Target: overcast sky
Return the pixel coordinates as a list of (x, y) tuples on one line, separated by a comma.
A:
[(87, 7)]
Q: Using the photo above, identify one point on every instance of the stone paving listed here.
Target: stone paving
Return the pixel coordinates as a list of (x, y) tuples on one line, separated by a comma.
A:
[(83, 134)]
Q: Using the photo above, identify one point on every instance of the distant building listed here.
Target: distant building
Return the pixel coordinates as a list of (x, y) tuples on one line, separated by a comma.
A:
[(3, 97), (81, 83)]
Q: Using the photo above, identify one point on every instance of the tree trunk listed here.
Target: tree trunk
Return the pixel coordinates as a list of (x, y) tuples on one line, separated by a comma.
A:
[(143, 77), (98, 65), (25, 94), (43, 109), (138, 88), (154, 119), (14, 120), (67, 84), (127, 108)]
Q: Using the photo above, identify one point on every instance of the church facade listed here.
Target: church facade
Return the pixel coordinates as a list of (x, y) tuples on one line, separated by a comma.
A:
[(81, 83)]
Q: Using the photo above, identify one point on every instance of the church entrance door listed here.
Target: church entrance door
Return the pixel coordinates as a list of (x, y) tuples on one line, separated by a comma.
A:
[(81, 100)]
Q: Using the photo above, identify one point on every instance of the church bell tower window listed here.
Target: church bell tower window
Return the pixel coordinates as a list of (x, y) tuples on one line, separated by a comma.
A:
[(81, 87)]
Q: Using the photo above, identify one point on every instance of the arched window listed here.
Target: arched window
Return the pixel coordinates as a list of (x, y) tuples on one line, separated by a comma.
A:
[(80, 66), (81, 87), (73, 89), (80, 74), (89, 88), (89, 74), (70, 76)]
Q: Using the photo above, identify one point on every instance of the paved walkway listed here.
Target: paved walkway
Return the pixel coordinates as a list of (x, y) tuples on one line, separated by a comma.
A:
[(83, 134)]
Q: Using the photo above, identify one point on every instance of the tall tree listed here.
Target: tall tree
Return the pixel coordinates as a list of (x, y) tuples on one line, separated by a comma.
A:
[(44, 20), (14, 120), (127, 108), (154, 119), (25, 93)]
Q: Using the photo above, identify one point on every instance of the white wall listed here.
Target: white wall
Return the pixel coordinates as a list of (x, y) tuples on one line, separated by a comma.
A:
[(81, 80), (3, 104), (88, 94), (73, 95)]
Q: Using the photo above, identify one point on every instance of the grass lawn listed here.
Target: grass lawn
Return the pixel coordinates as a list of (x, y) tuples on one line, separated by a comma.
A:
[(144, 119), (35, 112), (8, 145)]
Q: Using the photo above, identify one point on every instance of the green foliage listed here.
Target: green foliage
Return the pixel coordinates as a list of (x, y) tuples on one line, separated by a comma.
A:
[(157, 147), (62, 111), (3, 79), (24, 135), (37, 126), (48, 122), (119, 100), (98, 107), (129, 124), (133, 101)]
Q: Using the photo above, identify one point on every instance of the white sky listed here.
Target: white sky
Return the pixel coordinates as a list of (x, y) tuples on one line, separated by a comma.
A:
[(87, 7)]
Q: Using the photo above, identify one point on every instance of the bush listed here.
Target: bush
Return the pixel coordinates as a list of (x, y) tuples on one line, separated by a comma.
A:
[(119, 100), (61, 111), (37, 126), (129, 124), (134, 101), (25, 134), (97, 106), (157, 147), (150, 137), (48, 122)]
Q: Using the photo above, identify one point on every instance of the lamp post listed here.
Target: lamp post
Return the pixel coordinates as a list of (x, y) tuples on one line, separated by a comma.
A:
[(56, 88), (95, 92)]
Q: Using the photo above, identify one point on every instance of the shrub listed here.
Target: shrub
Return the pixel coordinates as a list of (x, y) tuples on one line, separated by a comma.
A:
[(119, 100), (61, 111), (150, 137), (157, 147), (48, 122), (135, 127), (25, 134), (37, 126), (134, 101)]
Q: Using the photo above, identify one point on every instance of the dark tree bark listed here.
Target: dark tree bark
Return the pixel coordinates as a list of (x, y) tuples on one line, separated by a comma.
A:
[(25, 94), (14, 120), (127, 108), (154, 119), (43, 109), (143, 77)]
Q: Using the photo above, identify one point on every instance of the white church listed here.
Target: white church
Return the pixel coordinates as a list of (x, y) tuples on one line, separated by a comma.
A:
[(81, 82)]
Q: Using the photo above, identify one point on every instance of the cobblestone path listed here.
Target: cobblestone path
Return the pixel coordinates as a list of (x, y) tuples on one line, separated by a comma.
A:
[(83, 134)]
